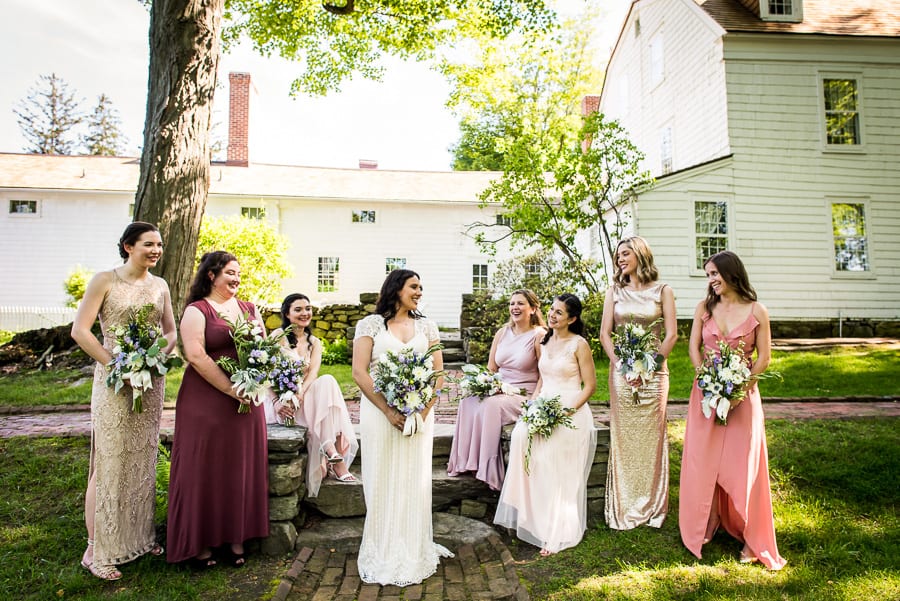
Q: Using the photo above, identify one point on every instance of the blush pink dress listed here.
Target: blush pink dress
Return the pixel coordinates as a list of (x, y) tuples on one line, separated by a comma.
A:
[(476, 440), (728, 466)]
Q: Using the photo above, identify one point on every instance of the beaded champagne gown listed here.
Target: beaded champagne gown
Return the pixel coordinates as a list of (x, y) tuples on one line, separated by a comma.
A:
[(547, 506), (637, 479), (124, 443), (398, 538)]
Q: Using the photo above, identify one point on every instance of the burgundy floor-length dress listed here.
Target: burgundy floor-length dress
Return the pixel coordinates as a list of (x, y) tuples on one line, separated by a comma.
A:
[(476, 439), (728, 465), (218, 489)]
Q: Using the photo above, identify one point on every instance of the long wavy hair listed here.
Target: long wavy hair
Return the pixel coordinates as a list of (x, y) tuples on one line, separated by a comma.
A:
[(131, 234), (289, 300), (573, 308), (537, 318), (211, 265), (646, 271), (732, 270), (389, 297)]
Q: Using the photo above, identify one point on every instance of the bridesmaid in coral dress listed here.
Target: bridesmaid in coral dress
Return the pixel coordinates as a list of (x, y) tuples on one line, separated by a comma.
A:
[(725, 468)]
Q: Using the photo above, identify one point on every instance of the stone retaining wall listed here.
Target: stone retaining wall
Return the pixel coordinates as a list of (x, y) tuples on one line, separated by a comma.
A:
[(330, 322)]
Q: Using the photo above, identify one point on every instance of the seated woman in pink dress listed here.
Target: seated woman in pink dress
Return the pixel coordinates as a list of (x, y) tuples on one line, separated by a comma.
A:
[(725, 468), (330, 440), (514, 355)]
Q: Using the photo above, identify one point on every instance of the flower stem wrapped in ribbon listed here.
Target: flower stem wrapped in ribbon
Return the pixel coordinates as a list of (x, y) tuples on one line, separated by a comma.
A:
[(542, 415), (722, 378), (637, 348), (479, 381), (286, 379), (138, 356), (406, 379)]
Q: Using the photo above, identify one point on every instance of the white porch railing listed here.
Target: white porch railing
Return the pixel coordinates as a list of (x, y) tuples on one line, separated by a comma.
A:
[(20, 319)]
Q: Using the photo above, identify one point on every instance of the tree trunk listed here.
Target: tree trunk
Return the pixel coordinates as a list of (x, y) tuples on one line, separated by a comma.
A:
[(175, 162)]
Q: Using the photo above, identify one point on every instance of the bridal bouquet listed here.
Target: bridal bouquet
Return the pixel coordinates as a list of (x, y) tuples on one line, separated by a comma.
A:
[(138, 356), (286, 379), (480, 382), (406, 379), (256, 359), (637, 348), (542, 415), (721, 378)]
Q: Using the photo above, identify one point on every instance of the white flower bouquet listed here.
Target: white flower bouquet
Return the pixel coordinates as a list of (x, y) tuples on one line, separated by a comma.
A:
[(542, 415), (138, 356), (722, 379), (406, 379), (286, 379), (479, 381), (637, 348), (256, 358)]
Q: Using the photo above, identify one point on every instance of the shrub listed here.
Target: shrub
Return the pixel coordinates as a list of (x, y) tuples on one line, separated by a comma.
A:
[(75, 284), (163, 466), (335, 352)]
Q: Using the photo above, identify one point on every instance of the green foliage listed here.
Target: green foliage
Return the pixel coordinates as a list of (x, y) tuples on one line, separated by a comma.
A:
[(6, 336), (75, 284), (163, 467), (485, 314), (49, 116), (104, 136), (259, 248), (335, 352)]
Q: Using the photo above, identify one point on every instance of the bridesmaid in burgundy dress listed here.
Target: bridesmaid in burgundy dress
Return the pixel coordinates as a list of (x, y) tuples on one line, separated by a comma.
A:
[(218, 490), (725, 468), (514, 355)]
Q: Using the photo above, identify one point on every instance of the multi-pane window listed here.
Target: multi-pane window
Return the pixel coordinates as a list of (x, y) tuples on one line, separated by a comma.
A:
[(23, 207), (328, 274), (841, 111), (503, 220), (131, 210), (392, 263), (657, 64), (710, 229), (665, 150), (363, 217), (851, 245), (479, 277), (258, 213), (781, 7)]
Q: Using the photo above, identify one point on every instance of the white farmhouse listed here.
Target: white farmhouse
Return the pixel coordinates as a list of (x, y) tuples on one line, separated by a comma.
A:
[(773, 130)]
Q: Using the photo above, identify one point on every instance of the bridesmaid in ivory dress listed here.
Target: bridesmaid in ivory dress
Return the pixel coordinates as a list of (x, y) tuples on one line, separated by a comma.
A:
[(725, 468), (514, 355), (547, 505), (637, 480)]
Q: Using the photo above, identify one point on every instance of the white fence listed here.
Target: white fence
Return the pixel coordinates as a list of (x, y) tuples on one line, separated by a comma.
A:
[(20, 319)]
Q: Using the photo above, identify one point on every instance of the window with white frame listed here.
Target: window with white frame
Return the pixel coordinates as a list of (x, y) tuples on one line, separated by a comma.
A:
[(665, 150), (364, 216), (479, 277), (657, 62), (327, 280), (23, 207), (851, 243), (392, 263), (781, 10), (710, 229), (258, 213), (503, 220), (842, 119)]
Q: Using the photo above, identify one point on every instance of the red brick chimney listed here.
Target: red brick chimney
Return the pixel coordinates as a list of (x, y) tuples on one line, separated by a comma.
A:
[(589, 105), (238, 119), (368, 164)]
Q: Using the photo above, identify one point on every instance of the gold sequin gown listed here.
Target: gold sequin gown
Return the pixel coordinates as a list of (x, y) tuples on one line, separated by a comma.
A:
[(123, 443), (637, 480)]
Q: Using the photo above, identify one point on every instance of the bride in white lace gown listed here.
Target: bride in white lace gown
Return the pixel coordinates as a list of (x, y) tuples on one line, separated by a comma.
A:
[(547, 505), (397, 543)]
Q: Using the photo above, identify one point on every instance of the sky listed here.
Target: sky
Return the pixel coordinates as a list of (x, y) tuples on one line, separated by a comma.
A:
[(100, 47)]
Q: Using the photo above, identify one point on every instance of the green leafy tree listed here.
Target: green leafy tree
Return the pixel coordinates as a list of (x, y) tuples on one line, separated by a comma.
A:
[(75, 284), (330, 42), (104, 136), (48, 117), (259, 248)]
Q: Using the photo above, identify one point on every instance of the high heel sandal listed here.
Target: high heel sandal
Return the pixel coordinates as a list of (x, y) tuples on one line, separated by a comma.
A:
[(346, 478), (333, 458), (108, 573)]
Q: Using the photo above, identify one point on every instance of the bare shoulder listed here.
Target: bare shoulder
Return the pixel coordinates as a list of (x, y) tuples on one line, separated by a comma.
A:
[(760, 311), (700, 310)]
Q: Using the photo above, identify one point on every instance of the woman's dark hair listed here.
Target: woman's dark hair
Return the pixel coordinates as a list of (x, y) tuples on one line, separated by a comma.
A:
[(211, 265), (573, 308), (131, 234), (390, 294), (289, 300), (732, 270)]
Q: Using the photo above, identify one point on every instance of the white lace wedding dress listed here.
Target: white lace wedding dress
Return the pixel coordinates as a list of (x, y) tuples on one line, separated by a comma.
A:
[(397, 542)]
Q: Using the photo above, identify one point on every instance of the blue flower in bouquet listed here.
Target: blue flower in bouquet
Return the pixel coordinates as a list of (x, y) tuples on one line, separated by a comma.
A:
[(406, 379), (637, 348), (286, 379), (722, 378), (542, 415)]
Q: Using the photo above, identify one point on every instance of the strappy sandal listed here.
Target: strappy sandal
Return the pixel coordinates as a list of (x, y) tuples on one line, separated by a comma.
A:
[(201, 563), (333, 458), (108, 573), (347, 478), (237, 560)]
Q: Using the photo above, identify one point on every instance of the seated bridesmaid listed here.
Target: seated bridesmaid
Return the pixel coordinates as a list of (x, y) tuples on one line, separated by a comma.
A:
[(514, 355), (331, 440)]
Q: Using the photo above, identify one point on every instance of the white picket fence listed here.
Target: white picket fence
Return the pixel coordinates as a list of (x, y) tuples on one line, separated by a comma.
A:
[(20, 319)]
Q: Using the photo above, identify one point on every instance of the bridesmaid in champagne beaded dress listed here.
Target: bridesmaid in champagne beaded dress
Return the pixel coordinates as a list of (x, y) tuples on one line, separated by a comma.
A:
[(725, 468), (120, 501), (637, 480)]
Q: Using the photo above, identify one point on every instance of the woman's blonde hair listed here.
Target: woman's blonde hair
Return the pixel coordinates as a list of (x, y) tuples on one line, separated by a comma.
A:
[(646, 271), (537, 318)]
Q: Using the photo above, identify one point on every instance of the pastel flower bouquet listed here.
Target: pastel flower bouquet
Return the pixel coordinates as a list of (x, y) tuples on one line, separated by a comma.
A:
[(637, 348), (479, 381), (257, 355), (138, 356), (286, 379), (542, 415), (722, 378), (406, 379)]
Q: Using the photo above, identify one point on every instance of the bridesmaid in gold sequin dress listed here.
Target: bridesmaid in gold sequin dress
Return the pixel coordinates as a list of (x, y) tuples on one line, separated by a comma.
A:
[(120, 501), (637, 480)]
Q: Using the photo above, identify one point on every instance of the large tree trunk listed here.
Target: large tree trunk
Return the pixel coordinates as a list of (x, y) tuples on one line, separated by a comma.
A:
[(175, 163)]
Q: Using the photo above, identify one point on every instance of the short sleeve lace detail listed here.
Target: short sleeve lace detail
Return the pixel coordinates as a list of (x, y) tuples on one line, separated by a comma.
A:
[(369, 326), (430, 329)]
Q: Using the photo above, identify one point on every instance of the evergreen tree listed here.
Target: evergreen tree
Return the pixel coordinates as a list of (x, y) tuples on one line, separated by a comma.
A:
[(104, 137), (49, 116)]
